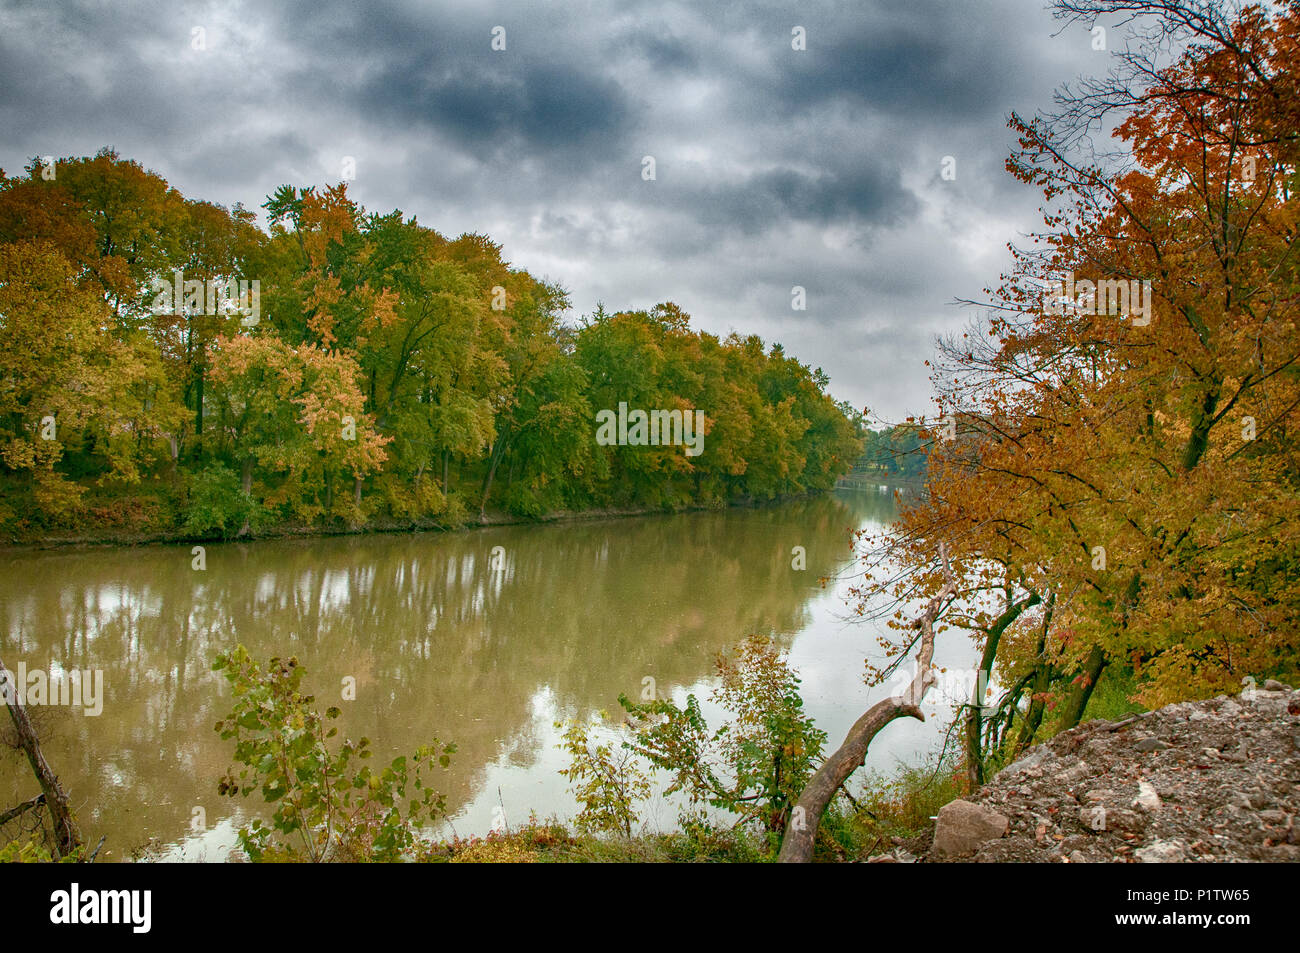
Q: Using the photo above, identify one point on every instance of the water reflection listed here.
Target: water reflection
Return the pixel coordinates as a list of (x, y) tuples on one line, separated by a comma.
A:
[(440, 643)]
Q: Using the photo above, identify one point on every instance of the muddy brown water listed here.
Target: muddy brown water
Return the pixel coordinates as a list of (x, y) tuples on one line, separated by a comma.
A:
[(441, 638)]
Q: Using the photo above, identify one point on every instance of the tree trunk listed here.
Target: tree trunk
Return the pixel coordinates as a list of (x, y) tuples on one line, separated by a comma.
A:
[(174, 449), (1097, 660), (1199, 439), (1042, 680), (198, 411), (1086, 682), (67, 837), (975, 714), (797, 845), (498, 451), (246, 484)]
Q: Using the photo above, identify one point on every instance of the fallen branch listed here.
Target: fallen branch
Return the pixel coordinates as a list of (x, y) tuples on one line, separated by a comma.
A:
[(797, 846), (21, 809), (67, 837), (1127, 721)]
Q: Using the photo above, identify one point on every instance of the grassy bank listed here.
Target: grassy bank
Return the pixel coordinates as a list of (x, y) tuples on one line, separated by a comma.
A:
[(144, 532)]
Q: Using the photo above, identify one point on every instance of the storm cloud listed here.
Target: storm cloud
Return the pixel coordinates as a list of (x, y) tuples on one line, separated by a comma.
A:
[(775, 167)]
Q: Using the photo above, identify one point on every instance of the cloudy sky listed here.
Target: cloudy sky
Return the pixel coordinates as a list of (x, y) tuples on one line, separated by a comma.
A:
[(774, 167)]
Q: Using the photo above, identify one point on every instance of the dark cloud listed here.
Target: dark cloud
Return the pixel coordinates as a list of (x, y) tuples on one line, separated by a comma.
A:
[(929, 60), (662, 50), (775, 167), (483, 108), (766, 200)]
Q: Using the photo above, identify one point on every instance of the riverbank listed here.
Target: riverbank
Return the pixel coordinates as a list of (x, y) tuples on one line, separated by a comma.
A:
[(124, 537), (1209, 781)]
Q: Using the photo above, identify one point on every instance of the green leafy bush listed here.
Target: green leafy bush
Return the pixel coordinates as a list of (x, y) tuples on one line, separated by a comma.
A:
[(757, 764), (606, 784), (327, 807), (217, 503)]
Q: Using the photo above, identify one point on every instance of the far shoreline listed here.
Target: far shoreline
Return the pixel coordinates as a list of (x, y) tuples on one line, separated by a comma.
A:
[(129, 540)]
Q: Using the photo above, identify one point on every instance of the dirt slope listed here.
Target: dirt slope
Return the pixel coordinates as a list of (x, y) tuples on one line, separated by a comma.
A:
[(1212, 781)]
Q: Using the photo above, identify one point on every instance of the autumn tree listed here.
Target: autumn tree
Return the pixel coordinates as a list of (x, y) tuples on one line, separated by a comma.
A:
[(1111, 466), (298, 415)]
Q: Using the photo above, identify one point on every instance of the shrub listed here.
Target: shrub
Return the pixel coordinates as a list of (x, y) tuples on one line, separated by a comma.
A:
[(217, 503), (756, 765), (607, 785), (326, 807)]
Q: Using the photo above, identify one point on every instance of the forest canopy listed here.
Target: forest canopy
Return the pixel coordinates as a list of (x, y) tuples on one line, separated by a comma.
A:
[(167, 365)]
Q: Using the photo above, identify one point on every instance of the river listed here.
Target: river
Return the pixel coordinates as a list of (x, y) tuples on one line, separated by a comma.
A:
[(443, 635)]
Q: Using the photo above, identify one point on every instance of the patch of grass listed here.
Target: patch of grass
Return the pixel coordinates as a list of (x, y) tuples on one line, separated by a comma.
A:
[(552, 842), (902, 804), (1110, 699)]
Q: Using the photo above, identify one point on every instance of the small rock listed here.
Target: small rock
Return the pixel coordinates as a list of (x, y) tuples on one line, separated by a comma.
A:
[(1161, 852), (1077, 857), (1125, 822), (1151, 744), (1073, 774), (1273, 685), (962, 826), (1032, 760), (1147, 800), (1241, 800), (1093, 818)]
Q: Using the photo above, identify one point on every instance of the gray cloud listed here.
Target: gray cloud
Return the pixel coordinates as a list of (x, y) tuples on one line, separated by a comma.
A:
[(775, 167)]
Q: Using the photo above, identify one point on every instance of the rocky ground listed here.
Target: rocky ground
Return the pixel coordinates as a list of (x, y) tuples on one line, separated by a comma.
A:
[(1211, 781)]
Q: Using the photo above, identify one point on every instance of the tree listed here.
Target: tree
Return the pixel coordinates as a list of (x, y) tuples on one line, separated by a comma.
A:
[(816, 795), (66, 834), (298, 414), (1121, 454), (174, 403), (67, 382)]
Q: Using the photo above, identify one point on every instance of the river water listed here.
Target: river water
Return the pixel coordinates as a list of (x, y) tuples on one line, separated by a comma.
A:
[(444, 635)]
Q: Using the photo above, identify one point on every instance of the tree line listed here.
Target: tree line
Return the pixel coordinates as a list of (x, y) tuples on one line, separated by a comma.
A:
[(896, 452), (383, 373)]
